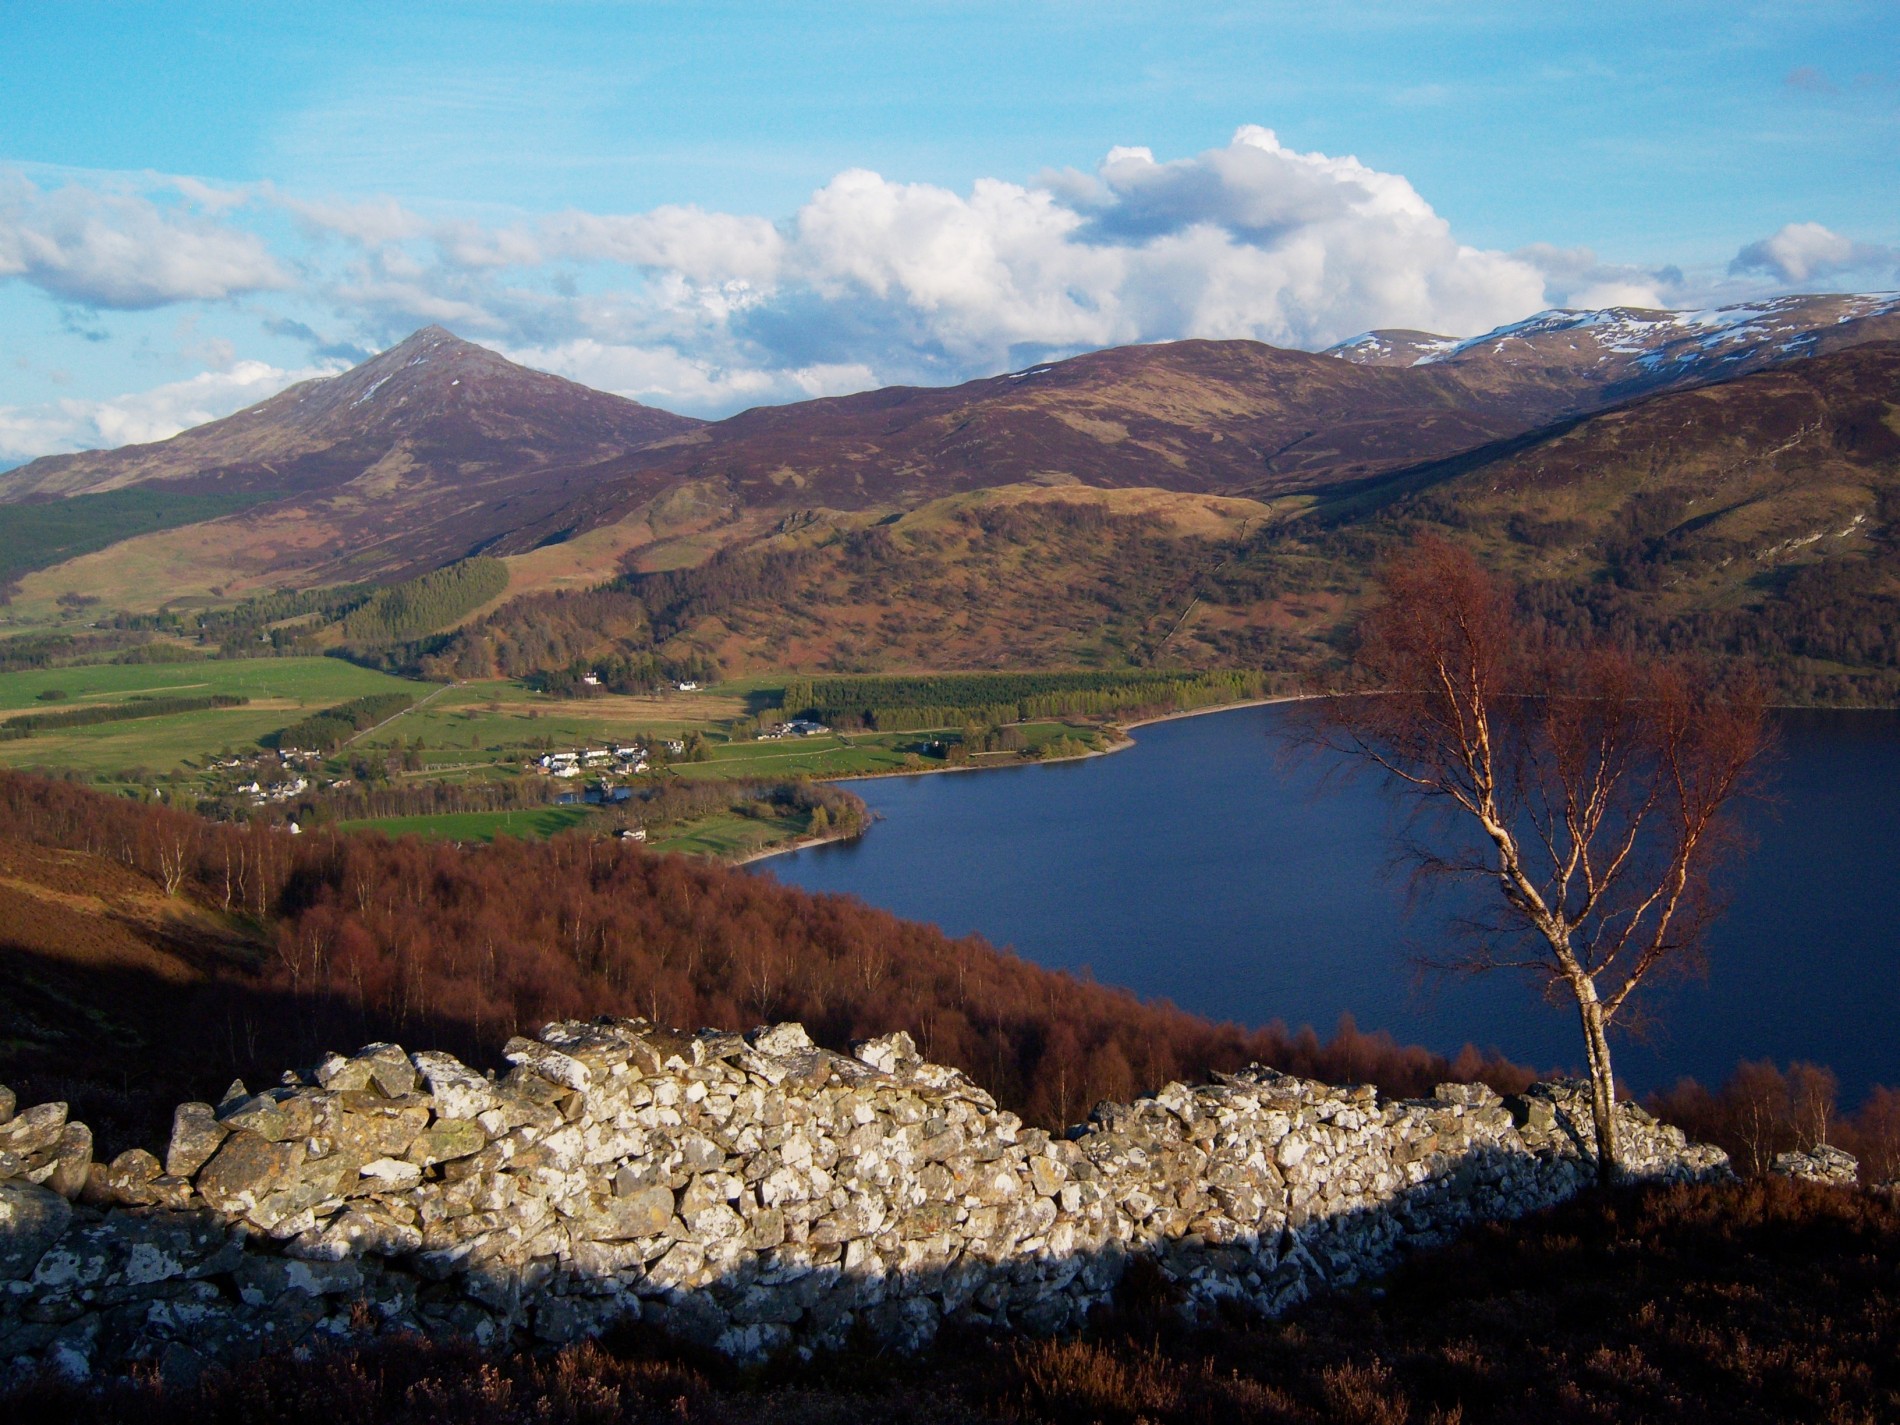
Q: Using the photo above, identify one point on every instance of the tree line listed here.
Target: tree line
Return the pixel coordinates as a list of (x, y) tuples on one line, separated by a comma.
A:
[(911, 704), (26, 724), (1763, 1110), (622, 673), (330, 729)]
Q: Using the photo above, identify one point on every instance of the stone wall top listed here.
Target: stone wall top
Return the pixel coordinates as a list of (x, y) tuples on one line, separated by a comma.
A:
[(755, 1192)]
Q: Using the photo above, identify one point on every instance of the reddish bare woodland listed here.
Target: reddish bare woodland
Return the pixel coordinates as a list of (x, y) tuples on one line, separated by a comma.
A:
[(363, 938), (1764, 1110)]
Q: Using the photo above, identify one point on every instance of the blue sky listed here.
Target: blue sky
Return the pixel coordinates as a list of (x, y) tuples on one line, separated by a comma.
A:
[(708, 206)]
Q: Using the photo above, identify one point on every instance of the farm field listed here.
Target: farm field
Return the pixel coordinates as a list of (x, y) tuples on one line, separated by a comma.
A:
[(281, 690), (731, 835), (527, 824), (500, 721), (857, 754), (296, 680), (475, 733)]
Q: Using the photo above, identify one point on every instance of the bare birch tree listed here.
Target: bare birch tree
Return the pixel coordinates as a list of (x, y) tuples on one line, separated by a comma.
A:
[(1589, 787)]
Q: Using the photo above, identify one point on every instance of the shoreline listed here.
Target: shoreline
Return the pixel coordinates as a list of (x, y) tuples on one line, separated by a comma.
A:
[(1124, 742), (1218, 708), (785, 848), (1122, 728)]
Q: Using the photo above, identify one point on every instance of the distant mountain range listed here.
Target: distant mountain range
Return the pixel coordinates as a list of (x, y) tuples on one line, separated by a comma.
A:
[(438, 449)]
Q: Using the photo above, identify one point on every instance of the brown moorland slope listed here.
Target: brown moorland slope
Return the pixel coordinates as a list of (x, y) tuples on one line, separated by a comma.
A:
[(1229, 417), (1753, 519), (417, 457), (1017, 577), (437, 448), (1756, 519)]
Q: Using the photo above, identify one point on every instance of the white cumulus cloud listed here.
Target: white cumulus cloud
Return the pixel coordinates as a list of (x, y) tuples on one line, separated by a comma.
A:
[(118, 250), (871, 281), (1802, 252), (659, 376), (1250, 240), (900, 281)]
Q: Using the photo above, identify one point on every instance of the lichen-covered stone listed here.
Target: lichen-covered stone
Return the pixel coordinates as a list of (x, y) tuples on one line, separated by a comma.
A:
[(549, 1063), (35, 1130), (32, 1219), (446, 1140), (196, 1135), (131, 1178), (72, 1160), (245, 1170), (1822, 1164), (458, 1091)]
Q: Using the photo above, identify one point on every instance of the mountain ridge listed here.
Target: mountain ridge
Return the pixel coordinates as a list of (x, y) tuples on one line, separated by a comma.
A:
[(438, 448)]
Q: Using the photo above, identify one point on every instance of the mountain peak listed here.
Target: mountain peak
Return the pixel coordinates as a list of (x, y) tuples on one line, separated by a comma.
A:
[(434, 338), (444, 441)]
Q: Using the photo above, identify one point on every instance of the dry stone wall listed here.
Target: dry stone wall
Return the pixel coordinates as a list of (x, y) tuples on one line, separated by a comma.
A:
[(751, 1193)]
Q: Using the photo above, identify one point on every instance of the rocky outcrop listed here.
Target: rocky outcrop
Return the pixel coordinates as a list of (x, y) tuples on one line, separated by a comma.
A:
[(752, 1193), (1823, 1163)]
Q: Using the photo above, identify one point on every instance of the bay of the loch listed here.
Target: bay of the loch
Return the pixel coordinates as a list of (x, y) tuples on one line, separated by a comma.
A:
[(1205, 866)]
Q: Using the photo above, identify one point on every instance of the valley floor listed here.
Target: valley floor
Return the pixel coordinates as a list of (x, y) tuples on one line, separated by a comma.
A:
[(458, 762)]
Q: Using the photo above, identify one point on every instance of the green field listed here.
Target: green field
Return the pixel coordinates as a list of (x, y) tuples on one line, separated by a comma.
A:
[(280, 690), (483, 729), (806, 756), (859, 754), (527, 824), (723, 834), (730, 834), (311, 680), (496, 723)]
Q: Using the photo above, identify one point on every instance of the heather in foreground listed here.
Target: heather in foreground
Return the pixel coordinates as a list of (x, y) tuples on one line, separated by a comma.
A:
[(1763, 1301)]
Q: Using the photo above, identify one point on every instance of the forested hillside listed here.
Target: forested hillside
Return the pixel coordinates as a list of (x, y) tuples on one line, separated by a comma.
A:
[(1061, 581), (425, 603)]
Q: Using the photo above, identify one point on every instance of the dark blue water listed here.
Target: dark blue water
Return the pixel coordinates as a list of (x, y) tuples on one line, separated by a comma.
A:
[(1204, 867)]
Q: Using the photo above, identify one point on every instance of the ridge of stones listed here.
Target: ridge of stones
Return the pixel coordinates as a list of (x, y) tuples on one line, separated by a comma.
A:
[(753, 1193)]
